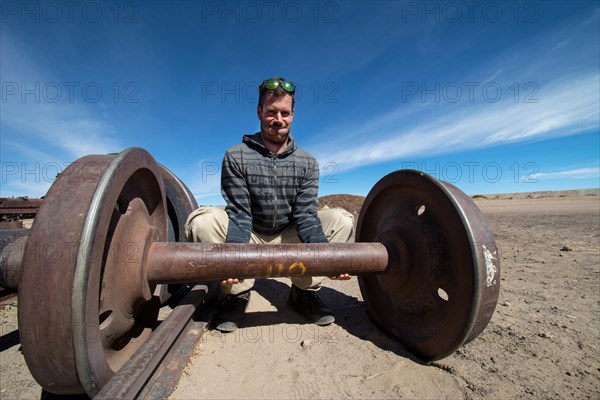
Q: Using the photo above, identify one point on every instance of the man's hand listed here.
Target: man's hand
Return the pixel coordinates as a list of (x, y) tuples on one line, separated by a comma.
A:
[(341, 277), (231, 280)]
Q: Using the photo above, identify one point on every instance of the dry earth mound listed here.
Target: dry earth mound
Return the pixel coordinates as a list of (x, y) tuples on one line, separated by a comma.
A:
[(349, 202)]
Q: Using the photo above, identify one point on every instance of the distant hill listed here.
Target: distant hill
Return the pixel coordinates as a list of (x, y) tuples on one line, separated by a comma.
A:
[(349, 202), (354, 203), (543, 194)]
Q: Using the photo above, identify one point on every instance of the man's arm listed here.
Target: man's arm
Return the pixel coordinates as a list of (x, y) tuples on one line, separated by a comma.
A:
[(305, 208), (235, 192)]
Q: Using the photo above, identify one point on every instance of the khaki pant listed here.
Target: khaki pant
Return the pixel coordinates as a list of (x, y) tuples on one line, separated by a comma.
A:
[(209, 225)]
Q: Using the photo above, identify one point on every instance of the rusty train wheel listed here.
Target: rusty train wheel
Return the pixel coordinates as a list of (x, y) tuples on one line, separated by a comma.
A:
[(85, 304), (441, 287), (180, 204)]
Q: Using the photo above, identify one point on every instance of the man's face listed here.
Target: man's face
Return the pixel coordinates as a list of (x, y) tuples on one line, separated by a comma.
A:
[(275, 117)]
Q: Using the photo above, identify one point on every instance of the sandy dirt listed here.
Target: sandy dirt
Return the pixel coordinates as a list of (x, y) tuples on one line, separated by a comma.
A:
[(542, 342)]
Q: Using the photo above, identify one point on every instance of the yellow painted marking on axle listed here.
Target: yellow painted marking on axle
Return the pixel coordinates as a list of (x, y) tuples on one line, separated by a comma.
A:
[(297, 264), (279, 269), (250, 269)]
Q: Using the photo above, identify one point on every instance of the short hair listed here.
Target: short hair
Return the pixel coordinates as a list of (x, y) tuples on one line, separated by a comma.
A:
[(279, 92)]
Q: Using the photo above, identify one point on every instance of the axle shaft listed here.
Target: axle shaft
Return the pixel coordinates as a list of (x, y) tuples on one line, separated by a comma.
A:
[(195, 262)]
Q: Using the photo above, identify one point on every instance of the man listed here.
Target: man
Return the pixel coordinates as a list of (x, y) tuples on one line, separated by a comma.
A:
[(270, 186)]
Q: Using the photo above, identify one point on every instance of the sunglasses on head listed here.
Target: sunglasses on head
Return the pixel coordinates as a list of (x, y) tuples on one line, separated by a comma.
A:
[(273, 84)]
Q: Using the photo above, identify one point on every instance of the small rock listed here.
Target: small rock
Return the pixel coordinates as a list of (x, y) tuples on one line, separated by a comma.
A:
[(306, 344), (506, 304), (568, 373), (566, 248), (545, 335)]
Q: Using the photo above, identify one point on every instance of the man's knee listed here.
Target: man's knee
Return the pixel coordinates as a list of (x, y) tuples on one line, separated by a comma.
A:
[(338, 224), (206, 224)]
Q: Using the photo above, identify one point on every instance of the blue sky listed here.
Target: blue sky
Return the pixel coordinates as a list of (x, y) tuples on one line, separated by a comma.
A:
[(493, 97)]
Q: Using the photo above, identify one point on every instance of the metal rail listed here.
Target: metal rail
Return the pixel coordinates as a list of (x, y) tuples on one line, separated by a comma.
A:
[(144, 368)]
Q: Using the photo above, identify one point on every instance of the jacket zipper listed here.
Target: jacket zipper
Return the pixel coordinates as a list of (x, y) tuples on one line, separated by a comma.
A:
[(274, 194)]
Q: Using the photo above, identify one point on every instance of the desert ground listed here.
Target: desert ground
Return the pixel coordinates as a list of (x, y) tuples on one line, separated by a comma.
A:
[(543, 340)]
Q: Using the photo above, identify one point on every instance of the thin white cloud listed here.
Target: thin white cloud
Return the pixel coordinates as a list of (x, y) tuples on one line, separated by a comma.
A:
[(28, 178), (33, 185), (204, 179), (594, 18), (427, 45), (74, 128), (67, 127), (28, 151), (565, 108), (494, 76), (204, 195), (561, 44), (577, 173)]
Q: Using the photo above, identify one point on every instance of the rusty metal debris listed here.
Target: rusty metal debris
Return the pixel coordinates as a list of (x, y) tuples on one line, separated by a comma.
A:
[(12, 208)]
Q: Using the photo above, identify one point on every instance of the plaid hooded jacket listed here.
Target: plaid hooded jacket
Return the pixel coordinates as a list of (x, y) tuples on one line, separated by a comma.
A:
[(266, 192)]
